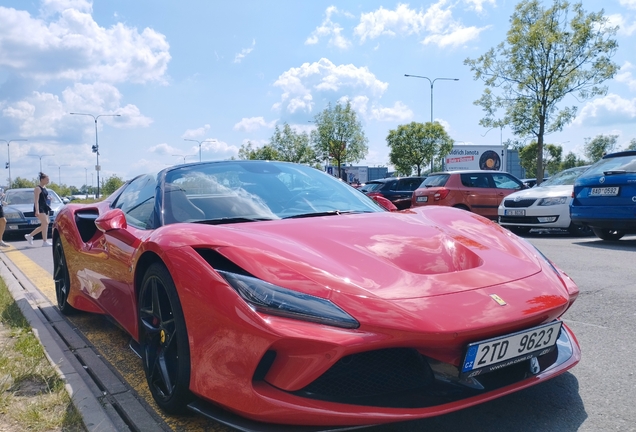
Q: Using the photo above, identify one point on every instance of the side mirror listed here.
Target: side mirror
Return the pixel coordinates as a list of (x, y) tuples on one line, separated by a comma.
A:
[(111, 220), (113, 223)]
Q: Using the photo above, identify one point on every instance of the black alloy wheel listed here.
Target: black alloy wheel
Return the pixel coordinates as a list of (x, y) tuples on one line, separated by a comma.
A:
[(164, 341), (61, 278), (608, 234)]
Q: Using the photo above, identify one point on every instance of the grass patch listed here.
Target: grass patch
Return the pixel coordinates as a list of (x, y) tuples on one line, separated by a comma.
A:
[(32, 395)]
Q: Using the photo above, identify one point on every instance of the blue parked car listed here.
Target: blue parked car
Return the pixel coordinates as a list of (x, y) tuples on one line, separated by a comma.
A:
[(605, 196)]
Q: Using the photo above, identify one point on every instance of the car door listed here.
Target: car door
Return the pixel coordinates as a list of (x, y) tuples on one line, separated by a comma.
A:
[(117, 275), (480, 193), (505, 185), (403, 192)]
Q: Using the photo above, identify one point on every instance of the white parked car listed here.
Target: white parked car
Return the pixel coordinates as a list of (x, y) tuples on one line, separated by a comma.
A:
[(543, 206)]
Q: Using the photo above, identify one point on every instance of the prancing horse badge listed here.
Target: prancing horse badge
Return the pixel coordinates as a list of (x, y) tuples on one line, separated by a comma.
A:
[(498, 299)]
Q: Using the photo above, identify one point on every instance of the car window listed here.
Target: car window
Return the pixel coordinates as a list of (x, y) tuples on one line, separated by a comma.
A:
[(436, 180), (476, 180), (370, 187), (137, 201), (506, 181), (566, 177), (622, 163), (409, 184), (19, 197), (391, 186)]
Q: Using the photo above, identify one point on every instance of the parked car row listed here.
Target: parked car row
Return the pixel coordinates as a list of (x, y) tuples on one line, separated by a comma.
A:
[(18, 210)]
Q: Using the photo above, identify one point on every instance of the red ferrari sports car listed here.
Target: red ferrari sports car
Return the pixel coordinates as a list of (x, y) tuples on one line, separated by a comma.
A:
[(265, 293)]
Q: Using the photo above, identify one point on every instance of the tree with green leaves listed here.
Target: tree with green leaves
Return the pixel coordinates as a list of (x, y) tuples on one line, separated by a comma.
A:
[(571, 160), (414, 145), (339, 136), (595, 148), (632, 145), (549, 53), (292, 146), (249, 152), (551, 159), (111, 184), (20, 182)]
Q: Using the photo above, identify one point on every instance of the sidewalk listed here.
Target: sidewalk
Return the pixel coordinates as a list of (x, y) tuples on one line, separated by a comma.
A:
[(104, 400)]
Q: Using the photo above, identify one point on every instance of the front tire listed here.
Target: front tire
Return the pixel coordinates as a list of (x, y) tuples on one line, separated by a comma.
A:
[(61, 278), (163, 339), (608, 234)]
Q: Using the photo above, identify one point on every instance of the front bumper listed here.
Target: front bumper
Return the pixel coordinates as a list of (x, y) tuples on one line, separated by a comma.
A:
[(559, 217), (439, 398)]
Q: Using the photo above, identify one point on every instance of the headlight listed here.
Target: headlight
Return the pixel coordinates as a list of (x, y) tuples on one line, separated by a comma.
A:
[(552, 201), (12, 215), (275, 300)]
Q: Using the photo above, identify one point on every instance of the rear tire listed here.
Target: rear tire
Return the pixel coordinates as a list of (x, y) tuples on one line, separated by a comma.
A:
[(163, 340), (608, 234), (61, 279)]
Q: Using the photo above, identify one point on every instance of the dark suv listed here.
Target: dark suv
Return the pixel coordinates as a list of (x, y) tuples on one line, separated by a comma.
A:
[(398, 190), (604, 197)]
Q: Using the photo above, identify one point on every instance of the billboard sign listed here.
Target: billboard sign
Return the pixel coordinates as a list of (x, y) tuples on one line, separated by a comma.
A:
[(475, 157)]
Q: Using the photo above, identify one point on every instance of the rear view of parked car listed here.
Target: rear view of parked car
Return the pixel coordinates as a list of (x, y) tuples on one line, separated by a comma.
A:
[(397, 190), (545, 206), (478, 191), (605, 196)]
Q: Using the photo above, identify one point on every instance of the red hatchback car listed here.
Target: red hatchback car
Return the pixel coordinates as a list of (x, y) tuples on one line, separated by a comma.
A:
[(477, 191)]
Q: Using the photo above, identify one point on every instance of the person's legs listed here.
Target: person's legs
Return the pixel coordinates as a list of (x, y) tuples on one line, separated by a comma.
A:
[(3, 225), (44, 226), (29, 237)]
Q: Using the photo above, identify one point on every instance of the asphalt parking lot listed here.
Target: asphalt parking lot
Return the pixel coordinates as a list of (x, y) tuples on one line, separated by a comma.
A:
[(597, 395)]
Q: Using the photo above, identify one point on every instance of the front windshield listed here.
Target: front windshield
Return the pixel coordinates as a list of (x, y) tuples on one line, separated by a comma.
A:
[(256, 190), (25, 196), (566, 177)]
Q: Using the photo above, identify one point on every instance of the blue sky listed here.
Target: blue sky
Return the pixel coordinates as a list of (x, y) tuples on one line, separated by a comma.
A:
[(229, 72)]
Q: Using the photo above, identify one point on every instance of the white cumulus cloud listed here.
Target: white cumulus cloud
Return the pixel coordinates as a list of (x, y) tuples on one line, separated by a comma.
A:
[(331, 30), (67, 43), (244, 52), (611, 109), (325, 78), (253, 123)]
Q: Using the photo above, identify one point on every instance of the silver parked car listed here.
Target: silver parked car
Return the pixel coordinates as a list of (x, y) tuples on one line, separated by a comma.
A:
[(18, 209), (545, 206)]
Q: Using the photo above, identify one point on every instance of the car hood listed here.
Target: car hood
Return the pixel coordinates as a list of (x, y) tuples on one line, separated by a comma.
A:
[(25, 208), (542, 192), (411, 254)]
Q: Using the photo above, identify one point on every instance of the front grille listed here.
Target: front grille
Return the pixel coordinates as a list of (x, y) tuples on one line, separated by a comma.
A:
[(523, 220), (520, 203), (372, 373)]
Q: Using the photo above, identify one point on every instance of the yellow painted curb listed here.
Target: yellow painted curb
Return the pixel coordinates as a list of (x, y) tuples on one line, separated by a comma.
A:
[(41, 278)]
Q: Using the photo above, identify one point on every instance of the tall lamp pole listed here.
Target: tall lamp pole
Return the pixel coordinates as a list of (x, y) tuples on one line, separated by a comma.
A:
[(200, 142), (432, 82), (96, 146), (184, 157), (59, 172), (40, 156), (8, 166)]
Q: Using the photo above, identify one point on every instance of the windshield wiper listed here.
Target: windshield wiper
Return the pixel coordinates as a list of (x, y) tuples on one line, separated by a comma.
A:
[(229, 220), (325, 213), (612, 172)]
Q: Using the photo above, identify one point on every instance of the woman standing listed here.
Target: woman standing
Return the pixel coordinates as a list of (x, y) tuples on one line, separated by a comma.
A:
[(41, 209)]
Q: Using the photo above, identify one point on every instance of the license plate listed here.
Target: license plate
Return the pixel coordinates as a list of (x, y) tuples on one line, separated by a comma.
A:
[(514, 212), (604, 191), (34, 222), (422, 199), (492, 354)]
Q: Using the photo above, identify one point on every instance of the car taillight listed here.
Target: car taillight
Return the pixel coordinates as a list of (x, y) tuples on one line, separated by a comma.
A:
[(441, 194)]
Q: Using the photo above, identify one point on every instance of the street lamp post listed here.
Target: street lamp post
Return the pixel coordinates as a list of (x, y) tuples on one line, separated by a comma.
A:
[(184, 157), (86, 181), (8, 166), (200, 142), (40, 156), (96, 146), (59, 172), (432, 82)]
